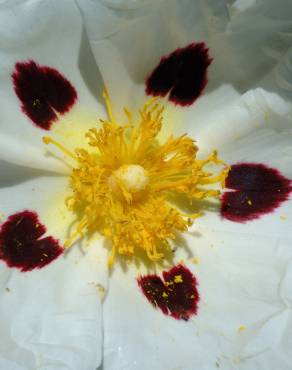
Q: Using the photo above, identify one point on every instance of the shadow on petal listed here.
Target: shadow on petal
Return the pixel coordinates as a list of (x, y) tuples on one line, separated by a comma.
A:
[(88, 68), (11, 174)]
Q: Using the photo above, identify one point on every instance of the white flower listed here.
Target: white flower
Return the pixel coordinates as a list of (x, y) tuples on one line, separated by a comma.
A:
[(58, 317)]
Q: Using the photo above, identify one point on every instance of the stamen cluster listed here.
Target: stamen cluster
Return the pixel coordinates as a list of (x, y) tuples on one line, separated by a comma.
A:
[(123, 187)]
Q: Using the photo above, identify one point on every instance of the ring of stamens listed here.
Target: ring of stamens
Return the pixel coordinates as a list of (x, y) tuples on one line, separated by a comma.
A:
[(122, 188)]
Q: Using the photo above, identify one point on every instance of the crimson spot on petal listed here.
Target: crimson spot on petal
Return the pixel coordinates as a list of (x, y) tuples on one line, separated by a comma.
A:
[(182, 74), (176, 296), (256, 190), (43, 92), (21, 245)]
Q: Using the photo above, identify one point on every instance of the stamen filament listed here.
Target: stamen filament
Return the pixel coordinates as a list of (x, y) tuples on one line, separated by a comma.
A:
[(107, 100), (78, 232), (48, 140)]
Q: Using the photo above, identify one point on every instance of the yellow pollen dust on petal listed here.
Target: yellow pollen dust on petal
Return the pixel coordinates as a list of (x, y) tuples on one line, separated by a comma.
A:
[(178, 279), (241, 328), (122, 187)]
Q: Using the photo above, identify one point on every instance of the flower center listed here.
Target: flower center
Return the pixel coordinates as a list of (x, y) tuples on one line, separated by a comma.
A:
[(129, 181), (126, 162)]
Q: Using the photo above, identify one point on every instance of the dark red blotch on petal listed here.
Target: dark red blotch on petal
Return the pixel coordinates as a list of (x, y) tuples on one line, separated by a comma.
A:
[(43, 92), (21, 245), (182, 74), (257, 190), (178, 299)]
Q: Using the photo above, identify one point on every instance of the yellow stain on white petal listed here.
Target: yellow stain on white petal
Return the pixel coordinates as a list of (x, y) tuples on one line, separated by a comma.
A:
[(2, 216), (100, 289), (267, 116), (241, 328), (171, 115), (56, 215), (69, 133), (195, 260), (283, 217), (72, 126)]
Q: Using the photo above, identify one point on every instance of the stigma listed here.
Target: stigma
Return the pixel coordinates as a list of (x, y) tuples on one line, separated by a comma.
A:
[(129, 182)]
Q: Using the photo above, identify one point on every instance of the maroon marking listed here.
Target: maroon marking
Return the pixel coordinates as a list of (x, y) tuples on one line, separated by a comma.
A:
[(183, 74), (21, 244), (43, 91), (177, 299), (257, 190)]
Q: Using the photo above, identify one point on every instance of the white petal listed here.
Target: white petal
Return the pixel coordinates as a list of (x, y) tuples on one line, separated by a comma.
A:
[(242, 284), (24, 188), (50, 33), (127, 4), (275, 150), (224, 116), (255, 127), (247, 46), (162, 28), (51, 318)]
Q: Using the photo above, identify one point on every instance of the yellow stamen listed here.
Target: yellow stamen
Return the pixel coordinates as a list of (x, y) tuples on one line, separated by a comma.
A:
[(106, 97), (48, 140), (122, 188), (78, 232)]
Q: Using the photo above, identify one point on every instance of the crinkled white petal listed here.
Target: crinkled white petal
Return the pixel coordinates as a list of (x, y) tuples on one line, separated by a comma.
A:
[(51, 318), (243, 320), (274, 149), (127, 4), (247, 47), (132, 42), (224, 116), (51, 34)]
